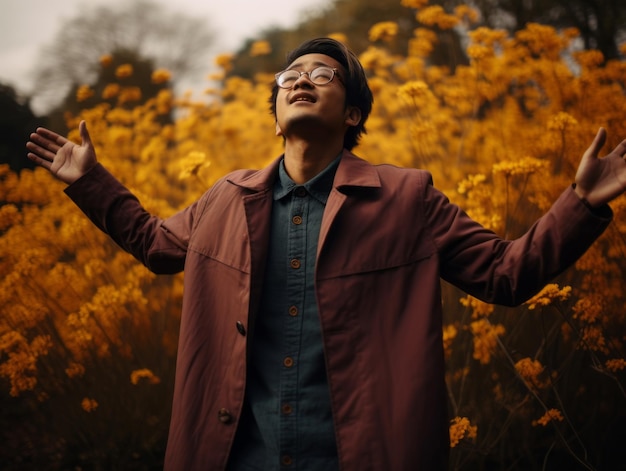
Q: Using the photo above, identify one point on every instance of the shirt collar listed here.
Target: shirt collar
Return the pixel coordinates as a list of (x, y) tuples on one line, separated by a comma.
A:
[(319, 186)]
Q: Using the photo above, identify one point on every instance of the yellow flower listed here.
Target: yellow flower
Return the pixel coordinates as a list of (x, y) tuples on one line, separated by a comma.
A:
[(374, 58), (106, 60), (435, 15), (467, 13), (461, 428), (161, 76), (110, 91), (89, 405), (83, 93), (523, 166), (260, 48), (571, 33), (224, 61), (487, 36), (74, 370), (423, 42), (532, 372), (129, 94), (124, 71), (413, 3), (192, 163), (485, 339), (479, 51), (549, 293), (9, 215), (342, 38), (479, 308), (449, 334), (136, 375), (549, 416), (589, 309), (414, 89), (383, 31), (589, 58), (561, 121), (616, 364), (593, 339), (470, 182)]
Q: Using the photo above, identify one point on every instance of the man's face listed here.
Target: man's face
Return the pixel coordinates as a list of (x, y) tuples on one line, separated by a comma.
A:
[(307, 108)]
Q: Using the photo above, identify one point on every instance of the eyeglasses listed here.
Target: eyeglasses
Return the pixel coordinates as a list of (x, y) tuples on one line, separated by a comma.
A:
[(319, 76)]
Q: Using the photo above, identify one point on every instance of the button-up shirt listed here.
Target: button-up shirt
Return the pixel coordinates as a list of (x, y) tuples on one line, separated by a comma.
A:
[(287, 421)]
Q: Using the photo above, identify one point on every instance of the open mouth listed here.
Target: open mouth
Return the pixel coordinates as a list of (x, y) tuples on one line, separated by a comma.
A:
[(305, 98)]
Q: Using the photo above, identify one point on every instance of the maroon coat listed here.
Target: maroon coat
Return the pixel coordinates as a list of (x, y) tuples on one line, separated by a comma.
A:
[(387, 237)]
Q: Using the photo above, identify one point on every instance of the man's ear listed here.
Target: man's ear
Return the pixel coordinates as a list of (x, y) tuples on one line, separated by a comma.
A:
[(353, 116), (279, 132)]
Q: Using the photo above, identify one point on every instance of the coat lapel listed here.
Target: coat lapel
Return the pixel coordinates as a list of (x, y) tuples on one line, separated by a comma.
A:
[(353, 173)]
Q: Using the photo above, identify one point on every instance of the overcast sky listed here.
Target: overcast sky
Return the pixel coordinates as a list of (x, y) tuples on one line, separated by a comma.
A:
[(27, 25)]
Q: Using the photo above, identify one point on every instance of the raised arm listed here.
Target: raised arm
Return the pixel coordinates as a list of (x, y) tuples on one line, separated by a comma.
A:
[(600, 180), (64, 159)]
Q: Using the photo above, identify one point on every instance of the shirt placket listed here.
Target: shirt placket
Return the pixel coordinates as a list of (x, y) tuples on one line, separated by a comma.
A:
[(296, 279)]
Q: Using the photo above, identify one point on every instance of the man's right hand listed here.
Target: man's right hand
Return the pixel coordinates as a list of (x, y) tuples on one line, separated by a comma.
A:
[(64, 159)]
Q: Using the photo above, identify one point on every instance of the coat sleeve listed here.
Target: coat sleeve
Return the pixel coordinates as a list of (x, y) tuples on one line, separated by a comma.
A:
[(509, 272), (160, 244)]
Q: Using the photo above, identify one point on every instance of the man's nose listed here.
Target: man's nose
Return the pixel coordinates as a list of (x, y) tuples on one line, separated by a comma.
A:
[(303, 80)]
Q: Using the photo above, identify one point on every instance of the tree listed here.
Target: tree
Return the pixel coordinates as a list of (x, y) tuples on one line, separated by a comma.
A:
[(600, 22), (170, 40), (354, 18), (17, 121)]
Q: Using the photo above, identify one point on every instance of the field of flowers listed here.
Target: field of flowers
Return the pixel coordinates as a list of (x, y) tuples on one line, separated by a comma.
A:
[(88, 336)]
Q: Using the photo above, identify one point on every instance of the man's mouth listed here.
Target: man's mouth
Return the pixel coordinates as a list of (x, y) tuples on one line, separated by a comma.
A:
[(305, 98)]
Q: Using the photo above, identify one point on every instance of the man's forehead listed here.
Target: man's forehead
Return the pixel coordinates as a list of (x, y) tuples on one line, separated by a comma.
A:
[(314, 59)]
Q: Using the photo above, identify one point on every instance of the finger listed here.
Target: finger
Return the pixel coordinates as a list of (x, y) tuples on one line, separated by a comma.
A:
[(51, 136), (43, 142), (40, 151), (39, 161), (620, 149), (597, 144), (84, 134)]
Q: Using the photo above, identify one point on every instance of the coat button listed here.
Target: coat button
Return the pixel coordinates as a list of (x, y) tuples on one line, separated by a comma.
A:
[(224, 416), (240, 328)]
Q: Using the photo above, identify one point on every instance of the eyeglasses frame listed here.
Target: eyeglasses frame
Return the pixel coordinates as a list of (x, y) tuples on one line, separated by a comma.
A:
[(308, 74)]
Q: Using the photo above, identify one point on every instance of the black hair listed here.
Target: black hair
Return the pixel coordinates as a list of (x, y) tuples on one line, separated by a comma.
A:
[(358, 92)]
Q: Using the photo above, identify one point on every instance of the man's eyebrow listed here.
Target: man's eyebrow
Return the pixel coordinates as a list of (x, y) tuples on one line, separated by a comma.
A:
[(316, 63)]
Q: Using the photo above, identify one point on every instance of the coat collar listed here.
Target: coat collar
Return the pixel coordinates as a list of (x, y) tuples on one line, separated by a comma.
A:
[(353, 172)]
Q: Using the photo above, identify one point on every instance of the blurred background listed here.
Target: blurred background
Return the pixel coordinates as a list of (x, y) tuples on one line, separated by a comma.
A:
[(498, 99)]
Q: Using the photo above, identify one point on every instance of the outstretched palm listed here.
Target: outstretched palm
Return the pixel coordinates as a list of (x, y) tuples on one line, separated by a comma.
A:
[(600, 180), (65, 159)]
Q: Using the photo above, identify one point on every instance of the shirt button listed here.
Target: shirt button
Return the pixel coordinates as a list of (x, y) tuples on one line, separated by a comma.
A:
[(300, 191), (224, 416), (293, 311), (286, 460), (288, 362), (295, 263), (287, 409), (297, 220), (240, 328)]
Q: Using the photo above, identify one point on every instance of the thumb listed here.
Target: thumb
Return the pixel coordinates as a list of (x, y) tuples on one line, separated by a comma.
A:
[(84, 134), (598, 142)]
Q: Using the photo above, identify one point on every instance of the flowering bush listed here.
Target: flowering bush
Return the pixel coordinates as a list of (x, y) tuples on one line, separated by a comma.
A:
[(88, 336)]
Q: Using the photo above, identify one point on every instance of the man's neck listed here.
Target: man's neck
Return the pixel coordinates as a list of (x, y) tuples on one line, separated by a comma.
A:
[(305, 159)]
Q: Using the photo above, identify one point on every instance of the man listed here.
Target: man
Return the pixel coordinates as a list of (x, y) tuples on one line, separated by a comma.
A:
[(311, 333)]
